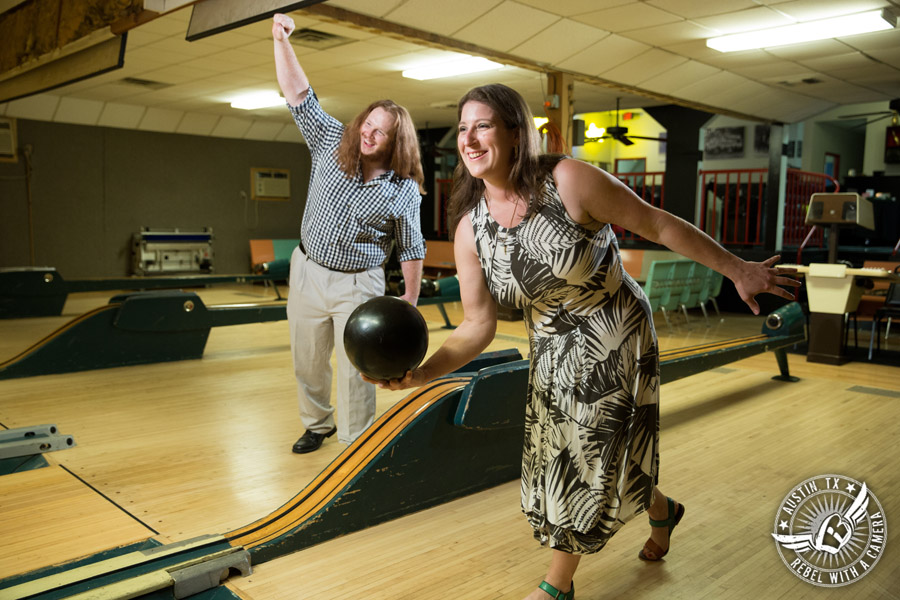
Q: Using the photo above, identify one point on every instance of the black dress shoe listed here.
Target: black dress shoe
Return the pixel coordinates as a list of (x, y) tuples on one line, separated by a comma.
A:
[(311, 441)]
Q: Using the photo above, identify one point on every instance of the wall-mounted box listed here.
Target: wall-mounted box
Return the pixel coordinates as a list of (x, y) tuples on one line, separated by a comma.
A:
[(270, 184)]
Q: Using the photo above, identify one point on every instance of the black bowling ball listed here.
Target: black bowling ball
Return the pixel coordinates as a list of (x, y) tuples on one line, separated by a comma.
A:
[(385, 337)]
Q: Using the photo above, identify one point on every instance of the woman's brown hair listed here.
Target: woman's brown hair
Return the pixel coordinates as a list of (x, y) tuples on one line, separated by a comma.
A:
[(529, 169), (406, 161)]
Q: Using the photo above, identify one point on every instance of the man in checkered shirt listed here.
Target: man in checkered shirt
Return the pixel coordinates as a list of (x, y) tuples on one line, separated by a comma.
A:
[(364, 194)]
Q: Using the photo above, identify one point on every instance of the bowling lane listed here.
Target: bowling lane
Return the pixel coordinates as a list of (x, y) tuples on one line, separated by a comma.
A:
[(203, 446)]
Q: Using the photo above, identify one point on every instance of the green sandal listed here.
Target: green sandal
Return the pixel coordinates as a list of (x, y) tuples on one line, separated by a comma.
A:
[(556, 594), (673, 519)]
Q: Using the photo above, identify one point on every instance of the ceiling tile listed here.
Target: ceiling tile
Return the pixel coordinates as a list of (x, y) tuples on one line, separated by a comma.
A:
[(353, 33), (643, 67), (375, 8), (40, 107), (490, 30), (364, 51), (153, 53), (749, 19), (231, 127), (140, 36), (628, 17), (890, 88), (741, 91), (603, 55), (440, 17), (289, 133), (181, 47), (176, 74), (78, 110), (723, 60), (229, 39), (264, 130), (714, 90), (879, 40), (125, 116), (679, 77), (170, 24), (841, 62), (809, 50), (239, 59), (545, 47), (671, 33), (419, 58), (775, 71), (691, 9), (783, 106), (159, 119), (262, 48), (197, 124), (568, 8), (811, 10), (890, 57)]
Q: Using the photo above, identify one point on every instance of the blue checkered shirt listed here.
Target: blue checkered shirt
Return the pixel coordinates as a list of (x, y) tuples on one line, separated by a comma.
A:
[(348, 224)]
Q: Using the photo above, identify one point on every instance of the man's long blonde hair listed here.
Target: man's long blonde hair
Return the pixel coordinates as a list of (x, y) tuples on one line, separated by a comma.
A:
[(406, 161)]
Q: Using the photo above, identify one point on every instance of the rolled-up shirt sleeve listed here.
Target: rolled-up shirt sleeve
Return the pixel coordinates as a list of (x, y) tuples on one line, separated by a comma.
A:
[(408, 227), (319, 129)]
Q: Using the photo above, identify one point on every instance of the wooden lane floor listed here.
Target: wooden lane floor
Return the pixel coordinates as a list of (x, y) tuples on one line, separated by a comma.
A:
[(203, 446), (65, 504), (188, 447), (734, 443)]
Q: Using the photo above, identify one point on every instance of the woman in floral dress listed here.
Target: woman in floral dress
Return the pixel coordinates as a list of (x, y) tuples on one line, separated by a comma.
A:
[(535, 232)]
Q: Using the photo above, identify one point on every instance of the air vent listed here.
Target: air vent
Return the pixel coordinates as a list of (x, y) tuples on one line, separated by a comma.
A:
[(803, 81), (145, 83), (319, 40)]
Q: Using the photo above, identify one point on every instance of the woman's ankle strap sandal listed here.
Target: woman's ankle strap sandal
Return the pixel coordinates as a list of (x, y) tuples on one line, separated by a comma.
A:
[(556, 594)]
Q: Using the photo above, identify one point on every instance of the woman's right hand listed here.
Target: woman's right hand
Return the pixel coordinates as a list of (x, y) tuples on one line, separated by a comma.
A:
[(282, 27), (412, 379)]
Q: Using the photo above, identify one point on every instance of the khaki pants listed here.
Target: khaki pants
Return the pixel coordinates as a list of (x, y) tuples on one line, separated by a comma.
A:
[(319, 303)]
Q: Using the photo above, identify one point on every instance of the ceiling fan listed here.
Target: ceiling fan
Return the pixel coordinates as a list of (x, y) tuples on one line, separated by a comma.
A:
[(621, 133)]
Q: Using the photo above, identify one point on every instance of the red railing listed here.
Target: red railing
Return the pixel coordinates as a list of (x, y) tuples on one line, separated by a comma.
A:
[(731, 203), (650, 186), (800, 186), (733, 200)]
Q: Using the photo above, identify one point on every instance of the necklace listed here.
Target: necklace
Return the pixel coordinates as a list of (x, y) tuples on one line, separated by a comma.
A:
[(502, 232)]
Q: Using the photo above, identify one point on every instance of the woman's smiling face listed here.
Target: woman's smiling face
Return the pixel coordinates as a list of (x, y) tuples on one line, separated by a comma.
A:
[(484, 142)]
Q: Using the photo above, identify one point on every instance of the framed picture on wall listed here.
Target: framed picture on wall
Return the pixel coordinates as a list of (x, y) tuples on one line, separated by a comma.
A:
[(724, 142), (8, 147)]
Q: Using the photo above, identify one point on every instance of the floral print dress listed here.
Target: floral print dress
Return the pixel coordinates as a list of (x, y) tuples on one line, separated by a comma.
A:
[(590, 455)]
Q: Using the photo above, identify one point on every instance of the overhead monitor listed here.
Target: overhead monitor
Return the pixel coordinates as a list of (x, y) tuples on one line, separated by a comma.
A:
[(216, 16)]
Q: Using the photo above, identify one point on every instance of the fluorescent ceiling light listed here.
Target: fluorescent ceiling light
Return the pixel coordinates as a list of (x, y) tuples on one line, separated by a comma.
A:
[(470, 64), (257, 100), (875, 20)]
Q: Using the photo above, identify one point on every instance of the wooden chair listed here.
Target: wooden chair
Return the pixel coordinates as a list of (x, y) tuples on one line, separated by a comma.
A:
[(889, 310)]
